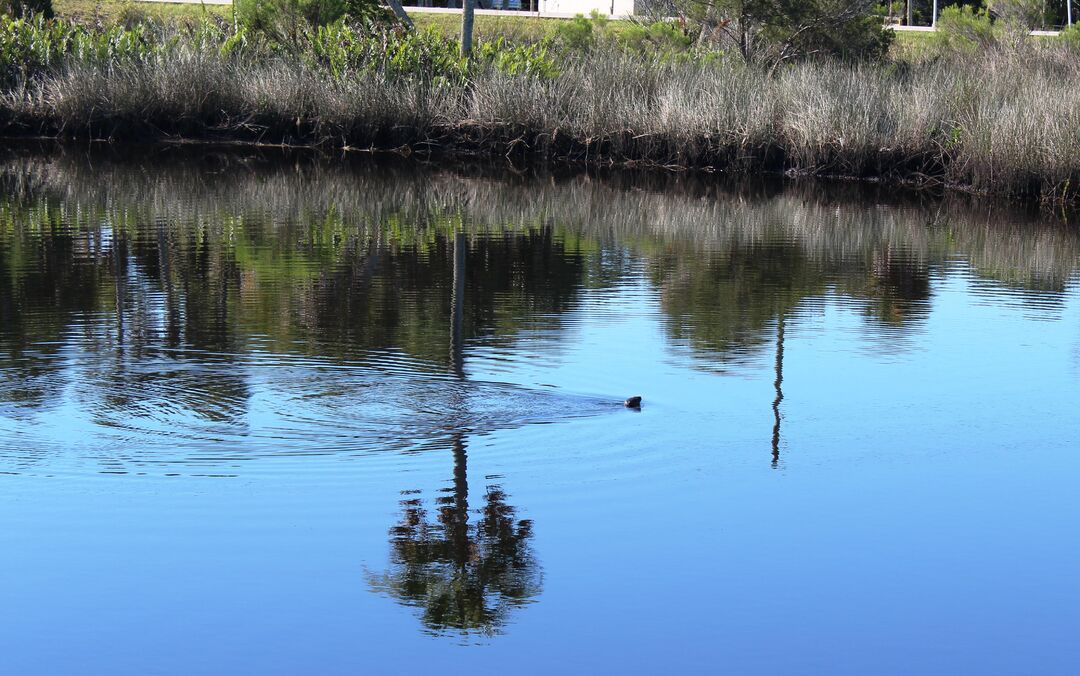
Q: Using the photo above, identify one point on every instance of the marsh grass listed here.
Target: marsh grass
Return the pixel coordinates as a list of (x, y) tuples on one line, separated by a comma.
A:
[(998, 122)]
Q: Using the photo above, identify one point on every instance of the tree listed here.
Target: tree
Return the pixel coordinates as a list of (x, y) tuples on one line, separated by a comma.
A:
[(286, 21), (465, 577), (25, 8), (775, 31), (1023, 15)]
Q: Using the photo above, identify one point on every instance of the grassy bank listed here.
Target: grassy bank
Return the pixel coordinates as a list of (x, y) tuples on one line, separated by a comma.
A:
[(996, 122), (111, 12), (513, 28), (486, 27)]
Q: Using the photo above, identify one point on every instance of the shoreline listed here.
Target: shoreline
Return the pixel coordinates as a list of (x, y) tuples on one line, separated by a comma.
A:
[(1002, 123), (521, 160)]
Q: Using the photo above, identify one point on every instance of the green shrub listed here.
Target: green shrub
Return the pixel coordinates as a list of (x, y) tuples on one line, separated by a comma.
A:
[(964, 29), (772, 32), (662, 38), (1070, 37), (285, 21), (27, 46), (346, 50), (131, 15), (863, 38), (576, 34), (517, 60), (33, 46), (1023, 15)]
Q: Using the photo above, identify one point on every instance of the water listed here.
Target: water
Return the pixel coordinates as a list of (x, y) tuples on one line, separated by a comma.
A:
[(297, 415)]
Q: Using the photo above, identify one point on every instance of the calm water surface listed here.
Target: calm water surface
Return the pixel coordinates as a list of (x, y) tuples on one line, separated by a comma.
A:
[(300, 416)]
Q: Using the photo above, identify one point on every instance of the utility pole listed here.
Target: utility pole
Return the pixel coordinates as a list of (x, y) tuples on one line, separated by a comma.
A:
[(778, 384), (933, 16)]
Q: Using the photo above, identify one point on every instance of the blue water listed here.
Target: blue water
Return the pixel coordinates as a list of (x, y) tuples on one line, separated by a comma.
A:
[(856, 453)]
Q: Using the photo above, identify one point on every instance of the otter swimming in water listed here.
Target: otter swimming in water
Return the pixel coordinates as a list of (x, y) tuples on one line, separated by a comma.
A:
[(633, 402)]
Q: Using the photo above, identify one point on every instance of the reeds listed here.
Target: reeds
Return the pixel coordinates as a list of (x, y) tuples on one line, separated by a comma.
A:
[(998, 122)]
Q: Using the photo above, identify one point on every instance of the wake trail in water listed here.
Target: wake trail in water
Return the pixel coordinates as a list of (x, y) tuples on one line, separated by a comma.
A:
[(155, 412)]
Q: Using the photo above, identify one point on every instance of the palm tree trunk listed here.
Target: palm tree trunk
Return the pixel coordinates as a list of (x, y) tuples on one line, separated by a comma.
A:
[(399, 12), (468, 8)]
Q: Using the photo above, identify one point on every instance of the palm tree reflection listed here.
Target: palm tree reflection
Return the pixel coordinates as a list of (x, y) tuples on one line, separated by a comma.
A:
[(464, 577)]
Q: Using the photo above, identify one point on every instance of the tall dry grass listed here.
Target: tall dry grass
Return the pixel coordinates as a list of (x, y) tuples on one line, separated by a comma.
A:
[(998, 122)]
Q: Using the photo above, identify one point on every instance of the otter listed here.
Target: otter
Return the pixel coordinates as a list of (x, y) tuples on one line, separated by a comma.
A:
[(633, 402)]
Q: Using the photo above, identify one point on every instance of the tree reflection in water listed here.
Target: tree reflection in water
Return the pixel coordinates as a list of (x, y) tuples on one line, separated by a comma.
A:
[(176, 289), (464, 577)]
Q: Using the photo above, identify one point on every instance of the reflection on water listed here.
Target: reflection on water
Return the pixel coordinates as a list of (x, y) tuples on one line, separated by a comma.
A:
[(225, 315), (148, 305), (462, 576), (269, 307), (778, 383), (251, 333)]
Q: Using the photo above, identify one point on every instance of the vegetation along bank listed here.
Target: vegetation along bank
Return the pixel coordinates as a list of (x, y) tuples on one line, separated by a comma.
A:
[(815, 88)]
